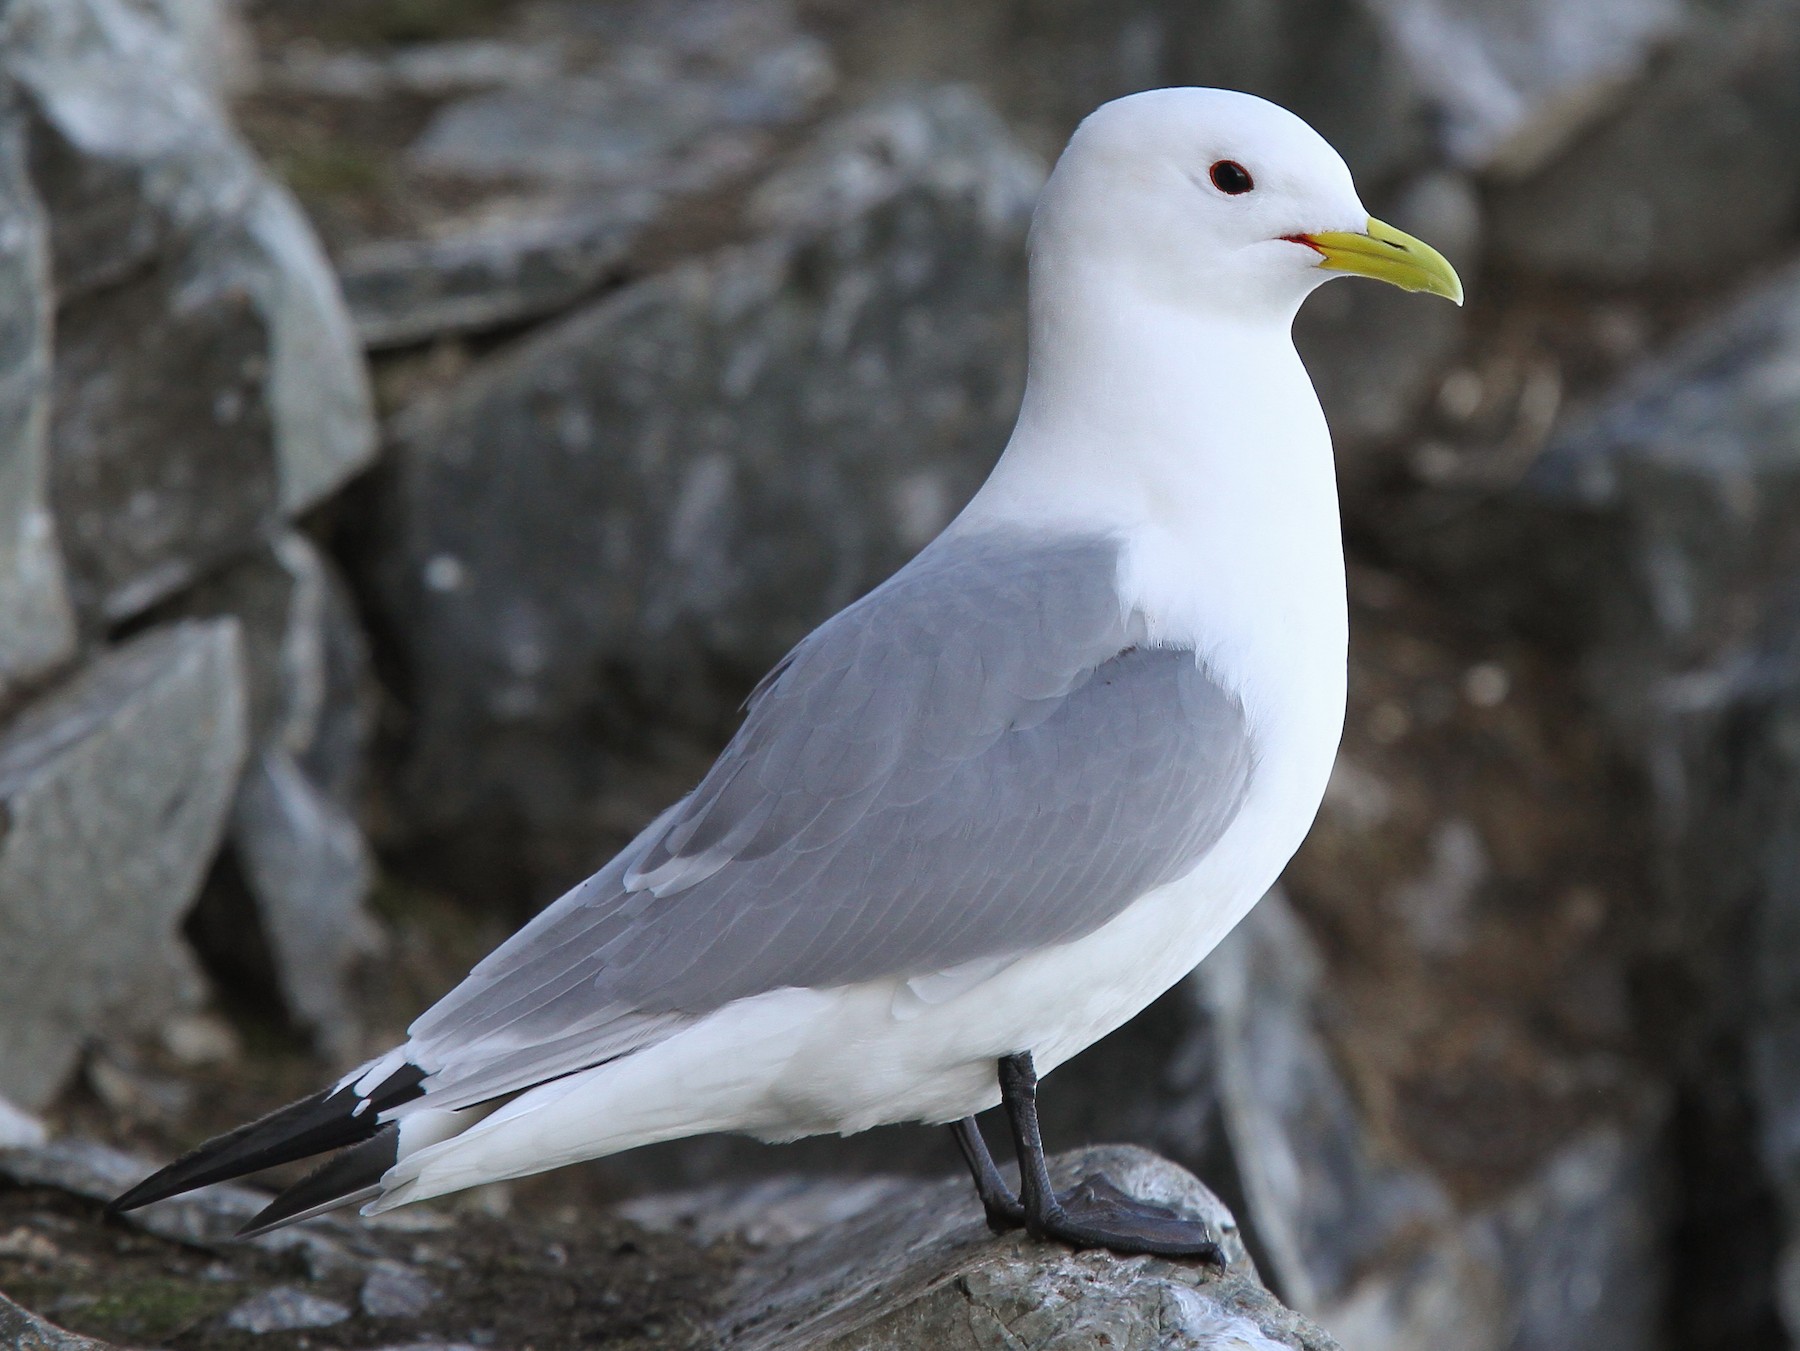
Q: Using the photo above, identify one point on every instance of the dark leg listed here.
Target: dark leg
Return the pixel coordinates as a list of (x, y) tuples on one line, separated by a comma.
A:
[(1094, 1213), (1003, 1209)]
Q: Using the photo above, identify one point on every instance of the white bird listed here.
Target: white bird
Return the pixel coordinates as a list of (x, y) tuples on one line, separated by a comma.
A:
[(990, 811)]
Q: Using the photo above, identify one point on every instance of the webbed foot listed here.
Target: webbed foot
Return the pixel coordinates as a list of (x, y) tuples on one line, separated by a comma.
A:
[(1092, 1214), (1096, 1214)]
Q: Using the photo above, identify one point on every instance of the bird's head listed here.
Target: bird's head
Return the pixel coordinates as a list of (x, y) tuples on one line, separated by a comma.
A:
[(1217, 199)]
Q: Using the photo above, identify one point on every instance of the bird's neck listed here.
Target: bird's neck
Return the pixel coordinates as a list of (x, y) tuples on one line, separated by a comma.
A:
[(1197, 438)]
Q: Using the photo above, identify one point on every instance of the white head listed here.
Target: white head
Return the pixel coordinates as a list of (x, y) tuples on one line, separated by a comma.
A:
[(1212, 199)]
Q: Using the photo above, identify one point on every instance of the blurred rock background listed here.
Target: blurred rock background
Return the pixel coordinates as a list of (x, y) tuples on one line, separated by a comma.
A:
[(422, 420)]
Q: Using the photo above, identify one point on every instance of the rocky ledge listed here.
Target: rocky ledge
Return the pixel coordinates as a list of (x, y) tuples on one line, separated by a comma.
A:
[(801, 1264)]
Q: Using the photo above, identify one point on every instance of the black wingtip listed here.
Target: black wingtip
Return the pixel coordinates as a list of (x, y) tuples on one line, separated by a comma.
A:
[(220, 1158), (326, 1121), (351, 1176)]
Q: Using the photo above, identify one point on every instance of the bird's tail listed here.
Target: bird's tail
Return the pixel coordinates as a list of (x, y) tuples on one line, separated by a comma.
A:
[(338, 1118)]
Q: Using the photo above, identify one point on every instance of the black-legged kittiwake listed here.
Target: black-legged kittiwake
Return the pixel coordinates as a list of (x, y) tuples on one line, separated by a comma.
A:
[(990, 811)]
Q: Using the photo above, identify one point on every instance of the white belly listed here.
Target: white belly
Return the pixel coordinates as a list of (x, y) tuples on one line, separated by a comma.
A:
[(881, 1056)]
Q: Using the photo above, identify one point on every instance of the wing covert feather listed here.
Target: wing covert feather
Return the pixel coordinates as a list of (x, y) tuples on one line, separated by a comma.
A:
[(975, 760)]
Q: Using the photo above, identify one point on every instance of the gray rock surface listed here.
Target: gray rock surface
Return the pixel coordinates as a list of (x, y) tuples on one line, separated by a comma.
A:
[(308, 868), (19, 1128), (1378, 1246), (1327, 1203), (879, 1262), (37, 629), (1677, 496), (873, 1263), (1767, 810), (305, 658), (685, 93), (403, 291), (1046, 66), (299, 850), (555, 146), (116, 788), (1608, 210), (1513, 81), (722, 454), (426, 69), (283, 1308), (1689, 470), (784, 1208), (163, 465), (208, 380), (1403, 84), (23, 1330), (393, 1290), (207, 1218)]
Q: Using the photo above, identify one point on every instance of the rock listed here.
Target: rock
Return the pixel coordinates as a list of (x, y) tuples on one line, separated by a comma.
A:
[(308, 868), (115, 789), (1684, 476), (36, 625), (146, 441), (406, 291), (1608, 210), (25, 1331), (285, 1309), (207, 1218), (302, 860), (83, 1168), (393, 1290), (208, 381), (1403, 85), (922, 1270), (214, 40), (560, 149), (688, 91), (132, 1093), (1424, 1049), (888, 1263), (426, 69), (201, 1039), (1512, 82), (1772, 1022), (1673, 498), (765, 1212), (686, 476), (1474, 911), (1580, 1251), (1326, 1203), (305, 657), (1676, 489), (1047, 65), (1377, 1246), (19, 1128), (1572, 1259)]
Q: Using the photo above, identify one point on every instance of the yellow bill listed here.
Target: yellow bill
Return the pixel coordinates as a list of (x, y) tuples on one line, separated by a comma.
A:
[(1389, 255)]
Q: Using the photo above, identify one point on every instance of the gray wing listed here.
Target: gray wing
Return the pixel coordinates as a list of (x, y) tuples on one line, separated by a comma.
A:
[(973, 761)]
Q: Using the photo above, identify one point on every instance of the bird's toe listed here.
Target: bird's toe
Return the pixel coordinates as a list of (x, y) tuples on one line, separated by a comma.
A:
[(1096, 1214)]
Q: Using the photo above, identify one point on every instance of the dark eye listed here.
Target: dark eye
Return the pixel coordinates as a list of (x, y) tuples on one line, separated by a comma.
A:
[(1231, 178)]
